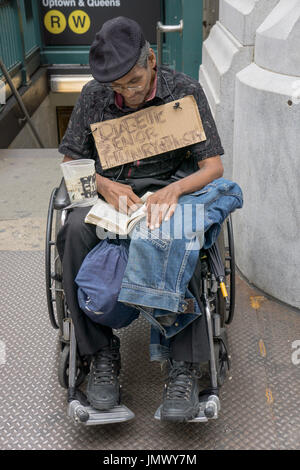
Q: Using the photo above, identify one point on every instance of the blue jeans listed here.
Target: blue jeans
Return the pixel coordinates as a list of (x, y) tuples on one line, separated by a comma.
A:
[(162, 261)]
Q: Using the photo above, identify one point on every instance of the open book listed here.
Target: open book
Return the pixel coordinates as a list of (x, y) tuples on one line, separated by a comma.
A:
[(106, 216)]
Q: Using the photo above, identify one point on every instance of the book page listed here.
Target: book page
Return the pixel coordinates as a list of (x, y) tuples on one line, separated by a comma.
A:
[(108, 225), (108, 217), (139, 214), (146, 195)]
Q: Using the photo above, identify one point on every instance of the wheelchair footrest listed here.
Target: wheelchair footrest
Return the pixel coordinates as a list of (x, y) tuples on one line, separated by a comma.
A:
[(90, 416), (209, 407)]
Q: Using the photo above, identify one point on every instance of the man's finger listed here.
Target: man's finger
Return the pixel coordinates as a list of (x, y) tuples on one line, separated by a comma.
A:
[(133, 206), (158, 214), (123, 204), (135, 198), (163, 209), (152, 215), (129, 203), (170, 211)]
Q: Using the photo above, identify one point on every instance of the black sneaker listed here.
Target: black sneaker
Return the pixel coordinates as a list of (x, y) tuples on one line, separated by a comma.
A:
[(181, 394), (103, 388)]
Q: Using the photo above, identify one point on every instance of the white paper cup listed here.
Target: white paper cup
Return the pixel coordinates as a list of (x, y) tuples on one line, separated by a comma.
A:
[(80, 179)]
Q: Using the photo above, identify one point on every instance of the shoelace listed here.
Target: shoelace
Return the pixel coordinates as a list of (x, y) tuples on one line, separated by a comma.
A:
[(104, 367), (180, 383)]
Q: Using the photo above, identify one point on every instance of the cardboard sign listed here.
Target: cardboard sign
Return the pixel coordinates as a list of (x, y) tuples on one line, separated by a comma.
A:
[(149, 132)]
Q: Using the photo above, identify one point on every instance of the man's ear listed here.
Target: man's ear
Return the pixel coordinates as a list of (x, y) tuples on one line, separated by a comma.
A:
[(152, 58)]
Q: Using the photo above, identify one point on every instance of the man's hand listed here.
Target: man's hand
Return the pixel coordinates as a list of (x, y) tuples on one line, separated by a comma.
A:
[(164, 201), (118, 195), (161, 205)]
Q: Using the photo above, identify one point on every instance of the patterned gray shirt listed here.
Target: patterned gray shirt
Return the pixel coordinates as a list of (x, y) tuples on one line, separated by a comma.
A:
[(97, 103)]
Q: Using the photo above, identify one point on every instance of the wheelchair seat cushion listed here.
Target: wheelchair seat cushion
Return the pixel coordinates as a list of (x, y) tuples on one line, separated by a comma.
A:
[(99, 282)]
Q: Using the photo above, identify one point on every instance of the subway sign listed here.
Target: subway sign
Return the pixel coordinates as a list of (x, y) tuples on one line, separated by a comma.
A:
[(76, 22)]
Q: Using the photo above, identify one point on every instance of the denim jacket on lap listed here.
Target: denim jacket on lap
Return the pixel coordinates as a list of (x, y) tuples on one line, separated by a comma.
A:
[(161, 264)]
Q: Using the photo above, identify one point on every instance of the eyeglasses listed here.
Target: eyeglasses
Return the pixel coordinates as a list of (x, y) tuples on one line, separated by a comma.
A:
[(128, 88)]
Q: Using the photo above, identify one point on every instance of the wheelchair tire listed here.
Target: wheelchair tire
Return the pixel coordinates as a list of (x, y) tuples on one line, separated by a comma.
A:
[(59, 294), (230, 269), (222, 364), (226, 247), (48, 261), (63, 369), (53, 268), (220, 301)]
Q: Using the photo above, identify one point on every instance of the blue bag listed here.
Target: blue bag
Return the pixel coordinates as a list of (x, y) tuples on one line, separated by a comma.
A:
[(99, 282)]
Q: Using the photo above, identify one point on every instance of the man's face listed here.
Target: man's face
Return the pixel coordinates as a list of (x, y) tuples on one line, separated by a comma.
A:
[(136, 85)]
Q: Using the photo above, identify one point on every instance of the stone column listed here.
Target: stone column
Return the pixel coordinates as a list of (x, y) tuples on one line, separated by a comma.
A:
[(228, 49), (266, 157)]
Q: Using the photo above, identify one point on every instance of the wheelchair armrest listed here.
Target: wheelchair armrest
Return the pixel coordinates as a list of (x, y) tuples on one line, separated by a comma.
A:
[(62, 199)]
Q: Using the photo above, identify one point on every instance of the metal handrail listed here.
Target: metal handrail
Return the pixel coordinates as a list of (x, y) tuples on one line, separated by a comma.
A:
[(20, 102), (163, 28)]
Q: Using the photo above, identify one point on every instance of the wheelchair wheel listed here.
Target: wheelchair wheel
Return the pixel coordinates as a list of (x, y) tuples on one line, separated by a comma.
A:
[(53, 269), (226, 249), (222, 361), (59, 292), (48, 261), (63, 368), (220, 303), (230, 270)]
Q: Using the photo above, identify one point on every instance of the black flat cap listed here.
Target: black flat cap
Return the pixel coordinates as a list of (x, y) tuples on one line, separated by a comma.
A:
[(116, 49)]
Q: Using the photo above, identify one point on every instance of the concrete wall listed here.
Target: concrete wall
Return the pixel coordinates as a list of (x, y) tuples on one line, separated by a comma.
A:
[(257, 109)]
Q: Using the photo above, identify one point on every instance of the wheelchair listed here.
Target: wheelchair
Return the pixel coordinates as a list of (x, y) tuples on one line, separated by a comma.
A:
[(213, 286)]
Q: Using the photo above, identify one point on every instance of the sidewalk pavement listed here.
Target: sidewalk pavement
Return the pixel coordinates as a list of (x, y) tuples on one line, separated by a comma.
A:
[(27, 178), (259, 401)]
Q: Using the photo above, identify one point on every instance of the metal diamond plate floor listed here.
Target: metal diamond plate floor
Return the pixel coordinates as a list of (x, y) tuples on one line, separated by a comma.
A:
[(260, 400)]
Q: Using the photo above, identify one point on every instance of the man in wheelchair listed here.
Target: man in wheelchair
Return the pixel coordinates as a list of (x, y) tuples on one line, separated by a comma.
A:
[(127, 79)]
